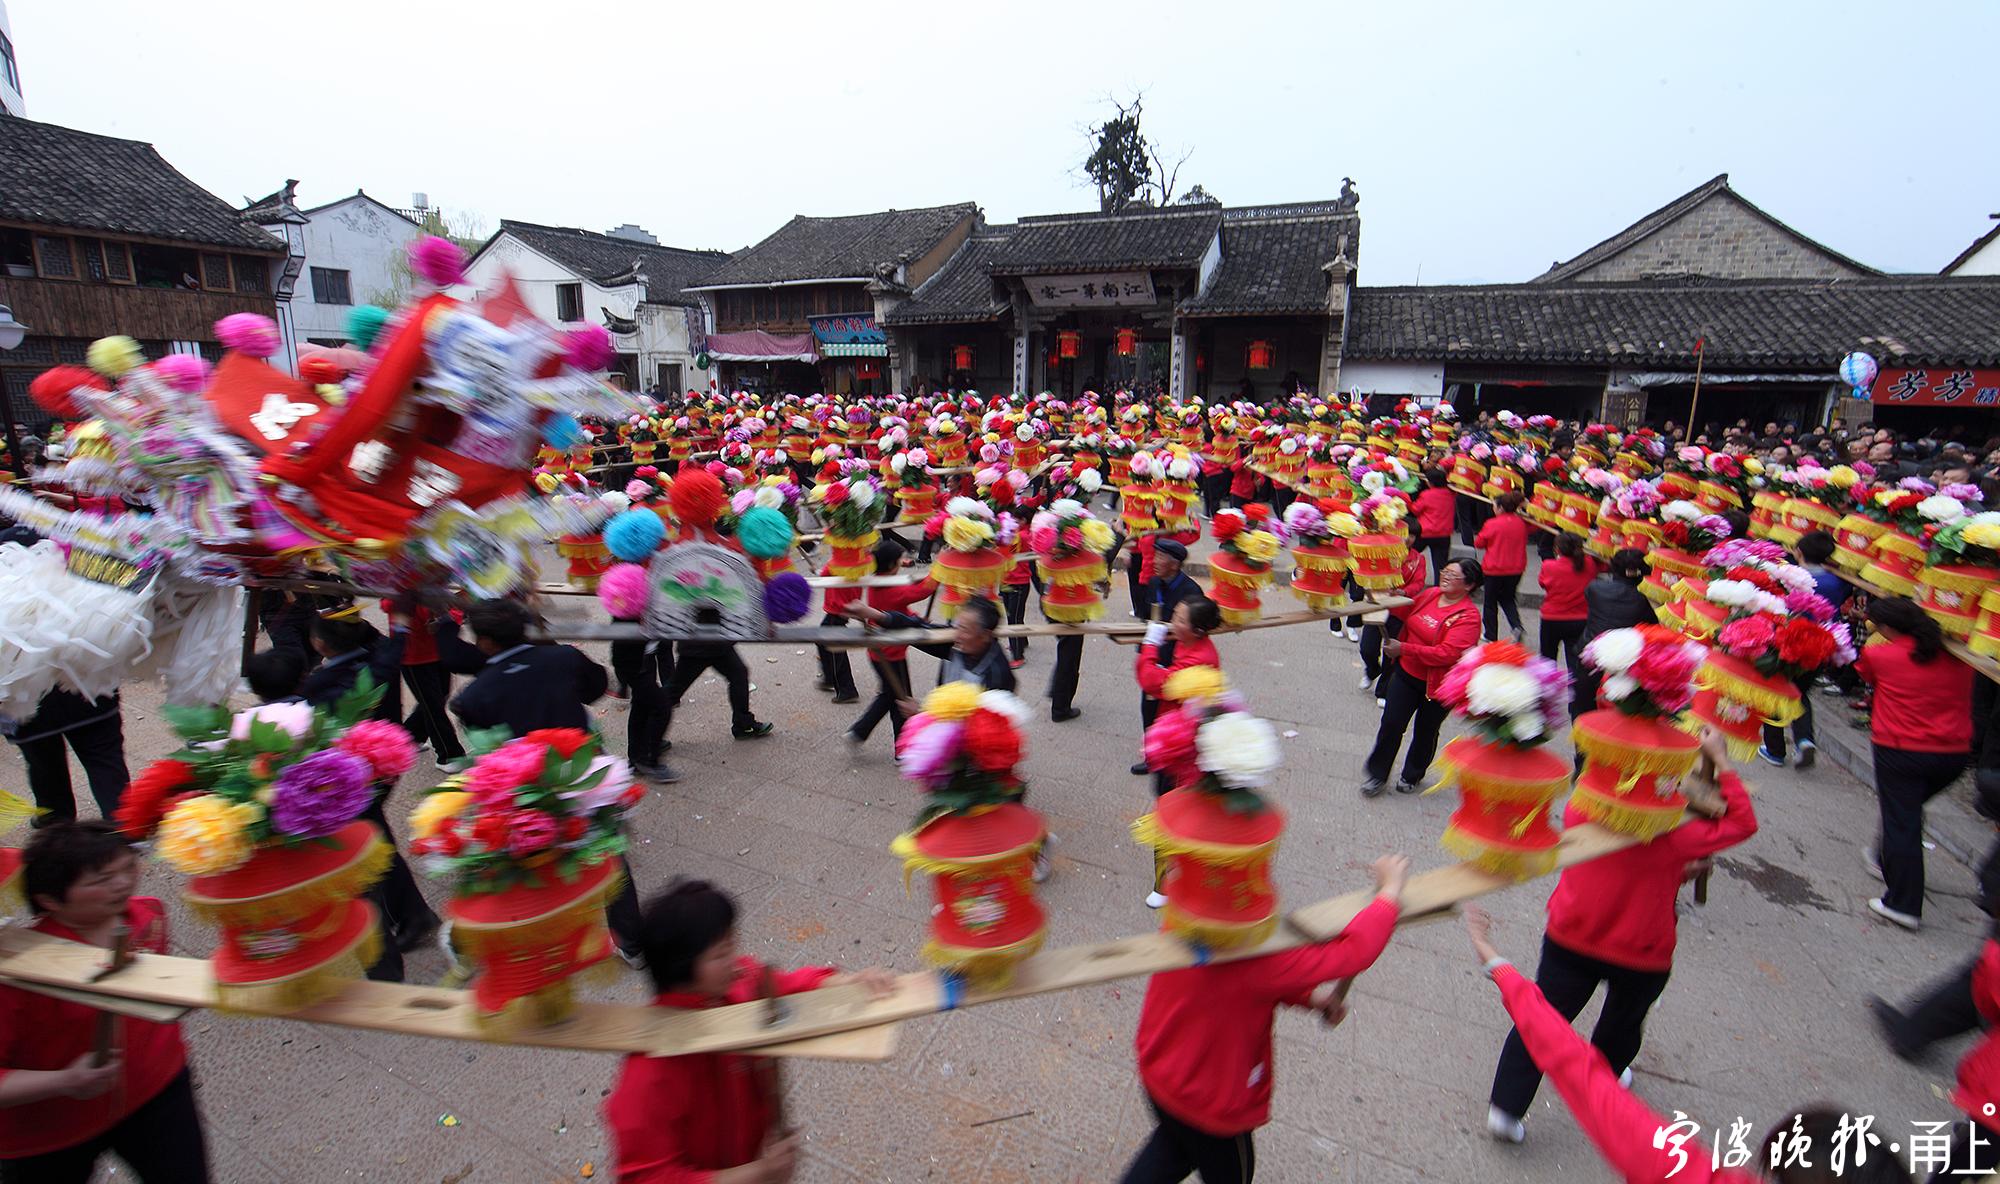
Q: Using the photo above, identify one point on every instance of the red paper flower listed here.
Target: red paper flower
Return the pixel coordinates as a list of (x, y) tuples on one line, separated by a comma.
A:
[(991, 743), (564, 740), (1803, 644), (1226, 527), (1747, 637), (146, 797), (1256, 511), (836, 495)]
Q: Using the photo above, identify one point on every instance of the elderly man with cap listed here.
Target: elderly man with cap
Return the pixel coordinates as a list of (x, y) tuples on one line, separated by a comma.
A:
[(1168, 586)]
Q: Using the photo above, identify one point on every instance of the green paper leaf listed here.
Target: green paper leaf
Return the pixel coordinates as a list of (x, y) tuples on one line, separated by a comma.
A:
[(480, 741)]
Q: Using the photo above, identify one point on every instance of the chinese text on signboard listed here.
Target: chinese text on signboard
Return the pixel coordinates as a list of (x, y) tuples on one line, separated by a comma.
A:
[(1113, 290), (1937, 386)]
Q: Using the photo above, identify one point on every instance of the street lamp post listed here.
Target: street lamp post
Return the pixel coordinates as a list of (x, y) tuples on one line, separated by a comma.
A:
[(11, 334)]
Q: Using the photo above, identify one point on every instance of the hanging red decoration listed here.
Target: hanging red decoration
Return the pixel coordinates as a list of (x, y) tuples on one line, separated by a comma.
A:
[(961, 357), (868, 368), (1067, 343), (1200, 362), (1262, 355), (1055, 359), (1128, 342)]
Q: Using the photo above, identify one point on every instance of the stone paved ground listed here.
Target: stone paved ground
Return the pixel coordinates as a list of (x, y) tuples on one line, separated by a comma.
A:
[(1765, 1009)]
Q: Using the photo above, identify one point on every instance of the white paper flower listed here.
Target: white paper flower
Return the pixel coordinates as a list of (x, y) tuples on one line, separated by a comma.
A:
[(900, 461), (1618, 686), (1527, 725), (1090, 481), (1373, 481), (1614, 652), (1939, 508), (769, 497), (1288, 445), (861, 494), (1496, 689), (1025, 432), (615, 501), (1678, 511), (1006, 703), (1731, 593), (1239, 748), (965, 507), (1064, 507)]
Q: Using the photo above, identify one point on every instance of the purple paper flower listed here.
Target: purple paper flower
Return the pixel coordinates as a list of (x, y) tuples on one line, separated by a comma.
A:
[(1916, 485), (926, 753), (320, 794), (1962, 492)]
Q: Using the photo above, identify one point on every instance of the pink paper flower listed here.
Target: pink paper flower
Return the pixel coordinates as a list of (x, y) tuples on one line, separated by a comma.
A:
[(500, 772), (386, 747)]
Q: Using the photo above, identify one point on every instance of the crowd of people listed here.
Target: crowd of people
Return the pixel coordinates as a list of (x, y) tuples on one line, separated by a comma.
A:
[(1204, 1042)]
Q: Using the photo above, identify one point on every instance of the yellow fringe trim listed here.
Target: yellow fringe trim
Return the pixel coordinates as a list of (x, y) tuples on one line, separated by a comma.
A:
[(1898, 543), (1064, 577), (1500, 789), (1958, 581), (1634, 763), (477, 941), (968, 579), (1073, 614), (1497, 861), (1319, 602), (1784, 535), (987, 968), (1668, 617), (1774, 707), (1984, 644), (862, 542), (1308, 561), (307, 987), (550, 1005), (1216, 935), (1612, 814), (1244, 580), (1391, 551), (342, 883), (1890, 581), (904, 847), (1379, 582), (1147, 831), (1242, 616)]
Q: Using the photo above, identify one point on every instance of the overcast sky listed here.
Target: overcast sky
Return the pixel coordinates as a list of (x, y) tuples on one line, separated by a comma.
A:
[(1486, 140)]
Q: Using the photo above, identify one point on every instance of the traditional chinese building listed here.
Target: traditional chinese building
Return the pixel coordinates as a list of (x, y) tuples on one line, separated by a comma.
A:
[(1193, 299), (800, 311), (1708, 284), (101, 236)]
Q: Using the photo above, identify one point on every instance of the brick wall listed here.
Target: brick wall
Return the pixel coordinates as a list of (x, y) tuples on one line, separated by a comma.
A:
[(1720, 238)]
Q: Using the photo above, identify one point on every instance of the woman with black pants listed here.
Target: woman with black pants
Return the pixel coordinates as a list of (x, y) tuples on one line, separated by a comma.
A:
[(1565, 582), (1922, 733), (1438, 627)]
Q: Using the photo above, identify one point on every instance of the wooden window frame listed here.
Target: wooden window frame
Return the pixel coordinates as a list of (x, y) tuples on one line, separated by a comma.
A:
[(255, 266), (120, 249), (202, 261), (581, 315), (69, 250)]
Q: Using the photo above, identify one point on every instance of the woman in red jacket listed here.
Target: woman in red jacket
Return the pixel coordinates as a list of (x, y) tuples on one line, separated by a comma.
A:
[(1438, 628), (1922, 733), (1611, 922), (1641, 1146), (1436, 509), (707, 1118), (1564, 608), (1503, 552), (1204, 1040), (60, 1110)]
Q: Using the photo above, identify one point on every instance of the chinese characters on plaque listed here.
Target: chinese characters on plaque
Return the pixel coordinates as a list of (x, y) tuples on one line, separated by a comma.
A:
[(1121, 289)]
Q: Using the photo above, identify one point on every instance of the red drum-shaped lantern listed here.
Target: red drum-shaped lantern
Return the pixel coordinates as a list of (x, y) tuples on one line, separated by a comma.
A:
[(1632, 770), (1319, 573), (1218, 885), (1738, 701), (530, 941), (1951, 594), (852, 555), (1072, 596), (1767, 507), (982, 868), (962, 575), (587, 558), (1378, 561), (1985, 637), (1502, 822), (917, 505), (1853, 535), (1894, 561), (1467, 474), (291, 928)]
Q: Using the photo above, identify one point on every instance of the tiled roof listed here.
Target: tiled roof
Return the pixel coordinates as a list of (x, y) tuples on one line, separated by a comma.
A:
[(1902, 320), (962, 290), (1972, 250), (1176, 236), (849, 247), (1274, 259), (669, 270), (57, 176), (1666, 215)]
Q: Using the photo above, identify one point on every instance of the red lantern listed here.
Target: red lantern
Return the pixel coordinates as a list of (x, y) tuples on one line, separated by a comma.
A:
[(1200, 362), (961, 357), (868, 368), (1261, 355), (1128, 342), (1067, 343)]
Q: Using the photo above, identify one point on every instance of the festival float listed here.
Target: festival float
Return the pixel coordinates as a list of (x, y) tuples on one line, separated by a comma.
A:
[(1634, 755), (977, 551), (913, 486), (1215, 832), (1775, 630), (1962, 563), (1070, 546), (530, 837), (1379, 550), (1909, 512), (1242, 567), (1506, 781), (1319, 553), (850, 507), (973, 837), (262, 810)]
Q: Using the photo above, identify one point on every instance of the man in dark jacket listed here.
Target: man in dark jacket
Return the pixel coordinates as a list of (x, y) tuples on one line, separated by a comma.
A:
[(345, 645), (516, 684), (93, 730), (1612, 601)]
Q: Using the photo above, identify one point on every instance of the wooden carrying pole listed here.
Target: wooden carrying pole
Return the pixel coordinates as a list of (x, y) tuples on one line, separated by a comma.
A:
[(832, 1017)]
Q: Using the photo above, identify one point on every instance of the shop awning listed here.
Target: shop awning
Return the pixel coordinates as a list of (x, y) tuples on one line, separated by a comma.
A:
[(849, 335), (755, 345), (856, 349)]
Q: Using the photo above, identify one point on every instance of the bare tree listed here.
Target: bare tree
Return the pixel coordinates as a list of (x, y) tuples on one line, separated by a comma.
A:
[(467, 228)]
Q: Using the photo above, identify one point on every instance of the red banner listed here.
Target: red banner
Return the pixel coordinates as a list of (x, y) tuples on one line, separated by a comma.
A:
[(1937, 386)]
